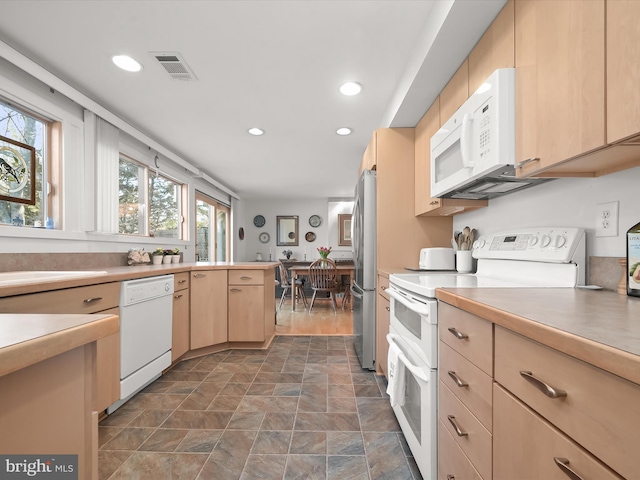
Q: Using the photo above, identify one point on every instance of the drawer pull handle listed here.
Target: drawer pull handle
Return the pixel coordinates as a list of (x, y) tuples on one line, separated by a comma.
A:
[(457, 379), (178, 296), (181, 281), (383, 288), (92, 300), (457, 334), (388, 309), (456, 427), (236, 289), (563, 464), (198, 275), (451, 477), (245, 277), (543, 387)]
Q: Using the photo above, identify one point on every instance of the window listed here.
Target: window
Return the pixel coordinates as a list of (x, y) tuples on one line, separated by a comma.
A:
[(212, 244), (21, 126), (150, 203)]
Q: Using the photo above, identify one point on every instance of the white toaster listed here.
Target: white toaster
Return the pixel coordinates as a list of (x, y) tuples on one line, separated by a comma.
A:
[(437, 259)]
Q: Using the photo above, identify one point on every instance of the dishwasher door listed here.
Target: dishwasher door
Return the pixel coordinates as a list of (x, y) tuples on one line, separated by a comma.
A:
[(146, 307)]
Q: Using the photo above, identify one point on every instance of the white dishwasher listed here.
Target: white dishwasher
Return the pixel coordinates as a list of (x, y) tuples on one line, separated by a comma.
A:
[(146, 315)]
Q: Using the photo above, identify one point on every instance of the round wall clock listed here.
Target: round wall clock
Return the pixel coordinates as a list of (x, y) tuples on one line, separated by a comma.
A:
[(264, 237), (315, 220), (259, 221)]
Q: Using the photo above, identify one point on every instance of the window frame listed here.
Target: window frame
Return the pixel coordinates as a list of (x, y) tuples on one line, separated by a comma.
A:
[(213, 239)]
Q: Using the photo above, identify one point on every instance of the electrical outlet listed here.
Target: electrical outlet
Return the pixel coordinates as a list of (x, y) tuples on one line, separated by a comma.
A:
[(607, 219)]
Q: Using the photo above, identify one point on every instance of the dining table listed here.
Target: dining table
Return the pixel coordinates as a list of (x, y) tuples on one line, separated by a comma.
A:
[(303, 271)]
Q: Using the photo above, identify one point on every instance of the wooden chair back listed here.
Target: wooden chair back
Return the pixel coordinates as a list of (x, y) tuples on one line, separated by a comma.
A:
[(323, 275)]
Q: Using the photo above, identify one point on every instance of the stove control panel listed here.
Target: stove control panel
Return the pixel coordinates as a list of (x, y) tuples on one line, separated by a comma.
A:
[(544, 244)]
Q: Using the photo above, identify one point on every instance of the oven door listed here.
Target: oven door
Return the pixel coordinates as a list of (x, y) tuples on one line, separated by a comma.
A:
[(415, 319), (416, 411)]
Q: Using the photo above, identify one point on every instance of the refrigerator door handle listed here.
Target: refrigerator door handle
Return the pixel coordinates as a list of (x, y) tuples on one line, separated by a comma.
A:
[(357, 292)]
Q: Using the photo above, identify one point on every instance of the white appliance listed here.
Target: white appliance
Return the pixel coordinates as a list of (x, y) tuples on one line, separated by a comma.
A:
[(437, 258), (526, 257), (363, 290), (473, 153), (146, 307)]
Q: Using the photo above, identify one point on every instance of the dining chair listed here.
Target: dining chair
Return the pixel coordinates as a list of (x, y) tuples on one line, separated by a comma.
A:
[(285, 284), (323, 277)]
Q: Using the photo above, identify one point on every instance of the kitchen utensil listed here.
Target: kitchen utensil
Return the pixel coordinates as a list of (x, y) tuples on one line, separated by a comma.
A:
[(454, 244)]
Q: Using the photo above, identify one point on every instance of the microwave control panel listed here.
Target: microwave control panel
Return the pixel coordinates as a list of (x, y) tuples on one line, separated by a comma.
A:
[(557, 245)]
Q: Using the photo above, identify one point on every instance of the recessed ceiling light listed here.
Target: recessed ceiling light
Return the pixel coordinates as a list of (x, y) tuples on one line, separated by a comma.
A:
[(343, 131), (127, 63), (350, 88), (255, 131)]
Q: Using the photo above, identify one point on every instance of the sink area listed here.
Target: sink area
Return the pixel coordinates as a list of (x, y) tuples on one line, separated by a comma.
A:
[(21, 278)]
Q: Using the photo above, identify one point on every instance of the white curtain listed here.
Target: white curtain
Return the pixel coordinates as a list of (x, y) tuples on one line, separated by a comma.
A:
[(107, 159)]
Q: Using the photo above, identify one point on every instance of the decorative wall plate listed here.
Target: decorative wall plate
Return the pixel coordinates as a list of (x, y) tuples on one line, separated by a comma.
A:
[(315, 221), (259, 221), (310, 237), (264, 237)]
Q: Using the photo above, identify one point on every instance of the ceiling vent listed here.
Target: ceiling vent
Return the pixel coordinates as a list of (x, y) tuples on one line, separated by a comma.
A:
[(175, 65)]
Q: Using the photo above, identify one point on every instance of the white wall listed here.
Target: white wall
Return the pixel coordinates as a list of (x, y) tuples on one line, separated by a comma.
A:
[(566, 202), (246, 249)]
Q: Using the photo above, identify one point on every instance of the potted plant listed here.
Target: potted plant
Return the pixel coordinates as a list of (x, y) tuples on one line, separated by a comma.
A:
[(175, 255), (287, 253), (168, 253), (157, 256)]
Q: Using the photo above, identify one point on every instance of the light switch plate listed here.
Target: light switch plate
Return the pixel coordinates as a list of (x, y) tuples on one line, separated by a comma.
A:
[(607, 219)]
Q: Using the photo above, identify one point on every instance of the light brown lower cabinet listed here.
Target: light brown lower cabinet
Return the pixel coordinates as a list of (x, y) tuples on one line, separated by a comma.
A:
[(525, 446), (208, 308), (383, 318), (452, 462), (180, 328), (251, 305)]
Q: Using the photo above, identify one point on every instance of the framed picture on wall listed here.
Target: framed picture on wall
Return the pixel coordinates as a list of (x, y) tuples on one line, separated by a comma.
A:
[(344, 230)]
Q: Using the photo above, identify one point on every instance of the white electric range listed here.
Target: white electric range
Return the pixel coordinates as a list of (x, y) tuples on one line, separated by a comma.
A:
[(517, 258)]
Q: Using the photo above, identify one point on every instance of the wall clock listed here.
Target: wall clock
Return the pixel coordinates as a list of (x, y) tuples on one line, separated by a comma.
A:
[(264, 237), (315, 220), (259, 221)]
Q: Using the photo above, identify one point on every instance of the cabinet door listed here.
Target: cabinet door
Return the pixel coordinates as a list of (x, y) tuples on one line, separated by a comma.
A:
[(383, 315), (180, 329), (246, 313), (455, 93), (623, 69), (560, 105), (496, 48), (208, 308), (526, 447), (369, 159), (107, 368)]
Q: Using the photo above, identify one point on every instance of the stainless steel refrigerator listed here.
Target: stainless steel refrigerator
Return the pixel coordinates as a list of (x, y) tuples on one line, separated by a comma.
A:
[(363, 290)]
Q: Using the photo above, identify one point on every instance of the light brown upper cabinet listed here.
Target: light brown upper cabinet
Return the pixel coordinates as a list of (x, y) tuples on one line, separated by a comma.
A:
[(424, 204), (623, 69), (560, 81), (369, 160), (496, 48), (455, 93)]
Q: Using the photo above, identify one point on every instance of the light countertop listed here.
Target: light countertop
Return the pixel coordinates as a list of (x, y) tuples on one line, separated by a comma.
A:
[(598, 327)]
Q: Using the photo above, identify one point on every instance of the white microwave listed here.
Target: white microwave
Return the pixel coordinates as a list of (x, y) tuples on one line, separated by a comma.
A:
[(473, 153)]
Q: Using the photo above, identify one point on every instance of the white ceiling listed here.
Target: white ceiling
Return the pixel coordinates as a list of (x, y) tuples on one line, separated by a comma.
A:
[(272, 64)]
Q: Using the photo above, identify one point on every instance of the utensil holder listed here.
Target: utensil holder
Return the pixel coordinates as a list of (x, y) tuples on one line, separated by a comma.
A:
[(464, 261)]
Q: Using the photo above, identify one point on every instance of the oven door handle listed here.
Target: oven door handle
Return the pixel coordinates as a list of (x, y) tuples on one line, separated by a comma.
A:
[(417, 371), (419, 308)]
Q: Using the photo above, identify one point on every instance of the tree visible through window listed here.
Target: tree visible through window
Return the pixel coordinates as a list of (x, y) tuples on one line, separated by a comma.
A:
[(28, 129), (150, 204), (212, 245)]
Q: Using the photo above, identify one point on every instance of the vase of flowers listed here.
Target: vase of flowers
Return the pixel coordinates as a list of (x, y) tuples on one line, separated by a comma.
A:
[(287, 253), (324, 252)]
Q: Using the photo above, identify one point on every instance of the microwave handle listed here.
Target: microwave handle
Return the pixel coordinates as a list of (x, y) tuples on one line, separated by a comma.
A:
[(465, 141)]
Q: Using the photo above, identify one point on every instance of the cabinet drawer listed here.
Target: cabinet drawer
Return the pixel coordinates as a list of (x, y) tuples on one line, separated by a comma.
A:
[(180, 281), (473, 387), (600, 410), (452, 462), (89, 299), (473, 439), (246, 277), (469, 335), (383, 284), (525, 446)]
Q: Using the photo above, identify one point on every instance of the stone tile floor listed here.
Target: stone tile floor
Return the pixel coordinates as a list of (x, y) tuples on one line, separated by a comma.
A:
[(303, 409)]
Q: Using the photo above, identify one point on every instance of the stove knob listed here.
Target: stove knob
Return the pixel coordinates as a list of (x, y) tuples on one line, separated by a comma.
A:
[(532, 241), (479, 243), (559, 241), (546, 240)]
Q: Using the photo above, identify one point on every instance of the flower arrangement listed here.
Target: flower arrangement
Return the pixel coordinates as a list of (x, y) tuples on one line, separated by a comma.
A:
[(287, 253), (324, 251), (158, 251), (175, 251)]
